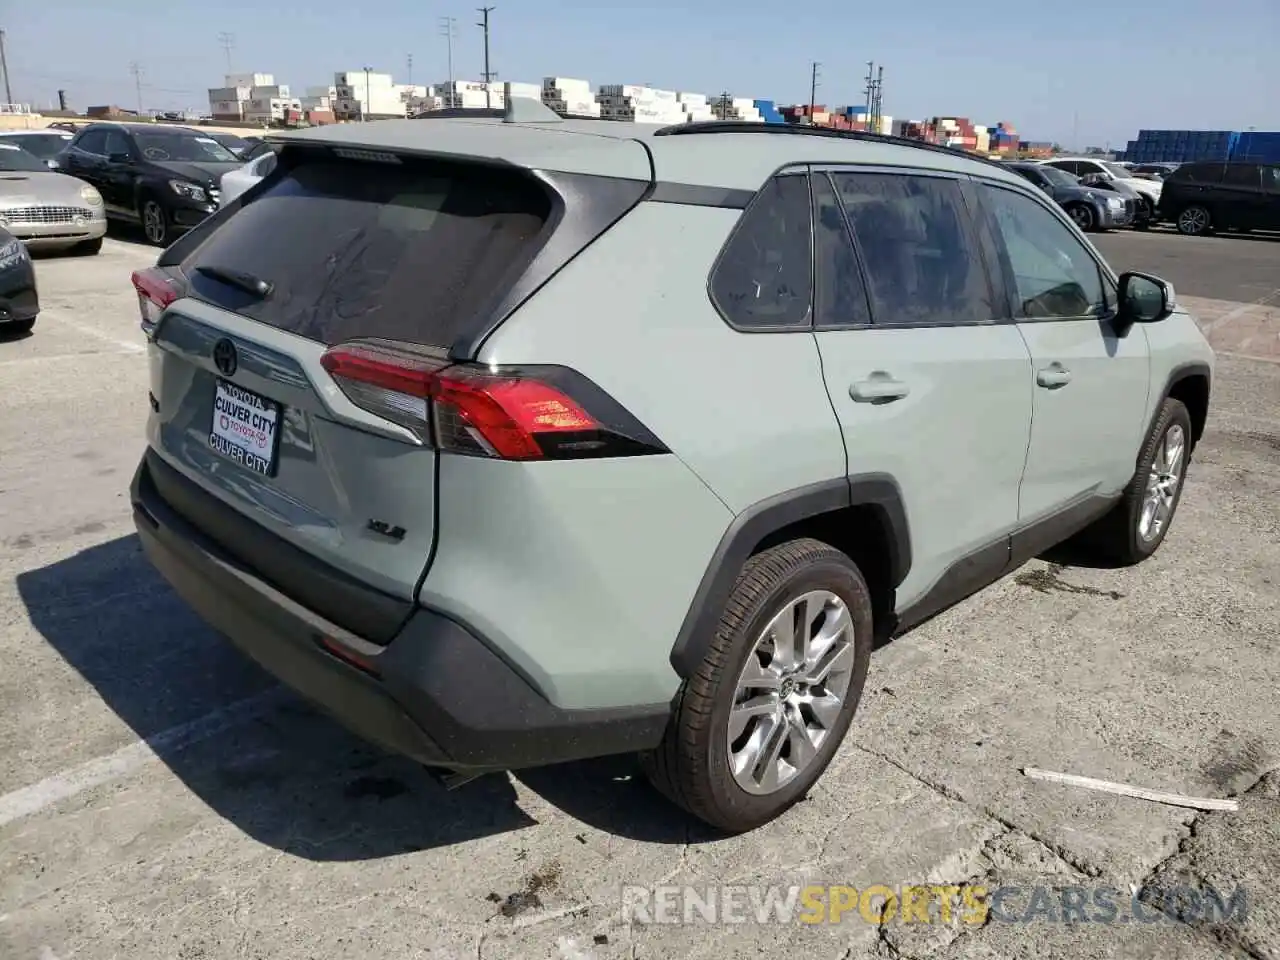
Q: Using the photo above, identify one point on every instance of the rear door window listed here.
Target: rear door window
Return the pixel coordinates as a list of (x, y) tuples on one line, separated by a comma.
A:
[(1242, 175), (1199, 173), (406, 251), (922, 260)]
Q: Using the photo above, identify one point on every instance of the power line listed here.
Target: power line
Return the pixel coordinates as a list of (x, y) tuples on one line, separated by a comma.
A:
[(228, 43), (489, 75)]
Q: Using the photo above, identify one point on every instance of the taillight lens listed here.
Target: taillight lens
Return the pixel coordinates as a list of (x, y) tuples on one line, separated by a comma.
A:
[(508, 413), (156, 290)]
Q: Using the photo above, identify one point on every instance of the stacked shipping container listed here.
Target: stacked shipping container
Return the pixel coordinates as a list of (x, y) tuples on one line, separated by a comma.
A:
[(1184, 146), (1262, 146)]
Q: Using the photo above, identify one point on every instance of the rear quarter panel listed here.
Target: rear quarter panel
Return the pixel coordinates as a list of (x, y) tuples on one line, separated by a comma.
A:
[(747, 412), (582, 572)]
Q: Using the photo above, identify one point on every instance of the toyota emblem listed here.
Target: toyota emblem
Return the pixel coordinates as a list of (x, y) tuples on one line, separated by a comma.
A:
[(224, 357)]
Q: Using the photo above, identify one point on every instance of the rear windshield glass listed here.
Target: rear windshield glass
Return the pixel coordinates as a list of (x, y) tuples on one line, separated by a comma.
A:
[(408, 251)]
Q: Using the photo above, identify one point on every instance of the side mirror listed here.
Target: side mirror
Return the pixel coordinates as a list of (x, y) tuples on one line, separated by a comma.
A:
[(1144, 298)]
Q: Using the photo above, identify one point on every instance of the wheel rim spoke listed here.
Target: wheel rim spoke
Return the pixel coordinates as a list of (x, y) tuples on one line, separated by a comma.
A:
[(791, 692), (1163, 482), (743, 713)]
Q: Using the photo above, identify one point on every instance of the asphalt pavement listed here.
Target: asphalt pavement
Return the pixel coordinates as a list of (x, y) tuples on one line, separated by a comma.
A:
[(162, 798)]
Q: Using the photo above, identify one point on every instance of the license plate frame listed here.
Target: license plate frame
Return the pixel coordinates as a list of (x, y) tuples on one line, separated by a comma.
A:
[(237, 423)]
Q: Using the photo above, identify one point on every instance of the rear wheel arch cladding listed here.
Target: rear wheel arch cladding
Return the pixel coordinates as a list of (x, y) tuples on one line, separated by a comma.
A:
[(819, 511)]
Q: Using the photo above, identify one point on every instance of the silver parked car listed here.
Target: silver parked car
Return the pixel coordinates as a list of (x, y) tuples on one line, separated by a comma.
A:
[(48, 210)]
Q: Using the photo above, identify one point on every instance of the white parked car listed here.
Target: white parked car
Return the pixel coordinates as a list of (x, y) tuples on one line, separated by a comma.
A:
[(1148, 190), (238, 181)]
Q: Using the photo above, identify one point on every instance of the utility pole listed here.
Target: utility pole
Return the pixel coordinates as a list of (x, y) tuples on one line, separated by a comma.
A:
[(488, 74), (4, 67), (228, 42), (813, 87), (726, 101), (871, 91), (136, 69), (410, 78), (449, 30), (368, 100), (879, 97)]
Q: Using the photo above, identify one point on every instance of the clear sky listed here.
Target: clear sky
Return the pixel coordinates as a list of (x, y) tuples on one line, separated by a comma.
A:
[(1088, 70)]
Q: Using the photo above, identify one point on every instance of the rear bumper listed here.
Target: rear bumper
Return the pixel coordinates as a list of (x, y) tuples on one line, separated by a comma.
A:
[(436, 693)]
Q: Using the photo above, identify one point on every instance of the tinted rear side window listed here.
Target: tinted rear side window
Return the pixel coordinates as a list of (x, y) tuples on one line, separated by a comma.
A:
[(1198, 172), (409, 251), (922, 261), (1242, 175), (764, 278)]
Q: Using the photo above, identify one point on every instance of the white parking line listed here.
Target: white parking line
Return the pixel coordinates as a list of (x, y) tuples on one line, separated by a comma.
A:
[(62, 786), (49, 358), (129, 346), (1239, 311)]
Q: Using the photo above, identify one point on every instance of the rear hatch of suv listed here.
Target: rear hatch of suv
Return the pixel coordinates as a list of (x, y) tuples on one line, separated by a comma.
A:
[(299, 346)]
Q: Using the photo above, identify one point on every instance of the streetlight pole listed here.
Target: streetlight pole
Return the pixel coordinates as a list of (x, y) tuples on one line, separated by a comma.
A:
[(364, 114)]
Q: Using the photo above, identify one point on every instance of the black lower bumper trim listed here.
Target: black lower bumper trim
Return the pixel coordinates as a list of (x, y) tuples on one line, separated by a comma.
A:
[(436, 693)]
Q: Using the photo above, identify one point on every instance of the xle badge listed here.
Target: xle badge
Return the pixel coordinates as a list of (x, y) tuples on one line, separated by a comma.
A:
[(386, 529)]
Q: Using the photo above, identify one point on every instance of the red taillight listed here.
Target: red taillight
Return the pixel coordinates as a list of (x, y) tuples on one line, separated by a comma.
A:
[(156, 290), (508, 413)]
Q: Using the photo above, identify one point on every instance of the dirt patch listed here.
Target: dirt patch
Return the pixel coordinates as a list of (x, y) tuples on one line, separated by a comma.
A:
[(1050, 579)]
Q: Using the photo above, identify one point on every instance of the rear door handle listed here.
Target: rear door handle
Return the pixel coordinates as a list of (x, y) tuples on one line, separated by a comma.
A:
[(878, 388), (1053, 376)]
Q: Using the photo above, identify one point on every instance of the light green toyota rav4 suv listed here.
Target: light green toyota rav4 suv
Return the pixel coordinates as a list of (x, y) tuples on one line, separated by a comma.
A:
[(518, 441)]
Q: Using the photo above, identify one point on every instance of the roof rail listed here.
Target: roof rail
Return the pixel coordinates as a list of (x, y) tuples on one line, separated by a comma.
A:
[(456, 113), (748, 126)]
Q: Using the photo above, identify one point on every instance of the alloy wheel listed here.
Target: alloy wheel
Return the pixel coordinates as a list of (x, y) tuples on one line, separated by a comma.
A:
[(791, 692), (1162, 484), (1083, 217), (153, 222), (1193, 220)]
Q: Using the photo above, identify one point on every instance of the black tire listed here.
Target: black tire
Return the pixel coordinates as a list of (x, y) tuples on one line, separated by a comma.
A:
[(691, 766), (1116, 537), (1194, 221), (1084, 217), (159, 231), (87, 248)]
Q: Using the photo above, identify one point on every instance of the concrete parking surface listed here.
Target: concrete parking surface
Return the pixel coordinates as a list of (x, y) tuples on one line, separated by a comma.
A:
[(161, 798)]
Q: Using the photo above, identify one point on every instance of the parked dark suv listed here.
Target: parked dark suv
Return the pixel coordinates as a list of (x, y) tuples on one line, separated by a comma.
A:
[(1235, 195), (166, 179)]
